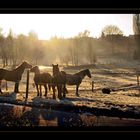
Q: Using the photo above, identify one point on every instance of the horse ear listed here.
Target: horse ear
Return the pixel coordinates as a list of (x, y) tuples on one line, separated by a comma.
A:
[(24, 61), (52, 64), (57, 64), (87, 70)]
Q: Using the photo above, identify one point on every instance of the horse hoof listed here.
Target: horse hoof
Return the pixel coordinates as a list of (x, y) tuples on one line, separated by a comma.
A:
[(59, 97)]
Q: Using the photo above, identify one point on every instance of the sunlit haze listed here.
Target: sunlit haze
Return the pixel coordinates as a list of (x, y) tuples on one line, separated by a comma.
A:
[(63, 25)]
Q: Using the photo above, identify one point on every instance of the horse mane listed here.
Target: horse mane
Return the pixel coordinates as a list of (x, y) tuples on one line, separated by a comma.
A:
[(19, 67), (20, 64), (56, 70), (83, 71)]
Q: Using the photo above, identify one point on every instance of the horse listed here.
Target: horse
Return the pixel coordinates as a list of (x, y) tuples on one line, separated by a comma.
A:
[(59, 80), (76, 79), (14, 75), (41, 79)]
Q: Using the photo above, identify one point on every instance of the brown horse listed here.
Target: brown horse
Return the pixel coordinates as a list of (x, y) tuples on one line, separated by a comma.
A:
[(41, 79), (76, 79), (14, 75), (59, 80)]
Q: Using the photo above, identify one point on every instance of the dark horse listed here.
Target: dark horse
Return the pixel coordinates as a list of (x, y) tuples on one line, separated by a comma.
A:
[(59, 80), (41, 79), (76, 79), (14, 75)]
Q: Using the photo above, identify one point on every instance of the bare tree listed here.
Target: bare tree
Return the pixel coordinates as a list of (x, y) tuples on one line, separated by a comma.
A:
[(111, 33), (136, 29), (2, 52), (91, 53), (6, 49), (74, 51), (111, 30)]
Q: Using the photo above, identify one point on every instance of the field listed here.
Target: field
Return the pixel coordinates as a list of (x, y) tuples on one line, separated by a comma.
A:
[(119, 108)]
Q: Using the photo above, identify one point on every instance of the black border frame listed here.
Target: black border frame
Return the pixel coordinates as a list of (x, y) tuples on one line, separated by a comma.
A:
[(70, 11)]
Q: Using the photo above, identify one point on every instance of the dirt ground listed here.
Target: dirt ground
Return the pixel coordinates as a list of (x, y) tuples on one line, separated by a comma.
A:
[(103, 77)]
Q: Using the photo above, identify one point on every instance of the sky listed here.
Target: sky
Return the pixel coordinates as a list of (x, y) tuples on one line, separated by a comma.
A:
[(63, 25)]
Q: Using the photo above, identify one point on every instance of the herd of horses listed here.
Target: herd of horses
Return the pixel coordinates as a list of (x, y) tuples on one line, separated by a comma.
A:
[(59, 79)]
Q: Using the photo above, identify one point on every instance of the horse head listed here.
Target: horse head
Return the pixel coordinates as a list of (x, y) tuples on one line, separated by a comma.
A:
[(35, 69), (88, 73), (26, 64), (55, 69)]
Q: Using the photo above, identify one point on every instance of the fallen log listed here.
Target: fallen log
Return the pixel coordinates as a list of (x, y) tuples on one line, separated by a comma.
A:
[(127, 88)]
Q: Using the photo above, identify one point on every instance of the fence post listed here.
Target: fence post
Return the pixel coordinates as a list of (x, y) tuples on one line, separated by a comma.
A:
[(92, 86), (138, 72), (27, 84), (138, 83)]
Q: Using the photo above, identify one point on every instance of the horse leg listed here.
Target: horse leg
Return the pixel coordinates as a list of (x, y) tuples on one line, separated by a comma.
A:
[(37, 89), (16, 90), (6, 86), (53, 88), (77, 86), (40, 90), (49, 85), (64, 91), (46, 90), (59, 87), (0, 87)]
